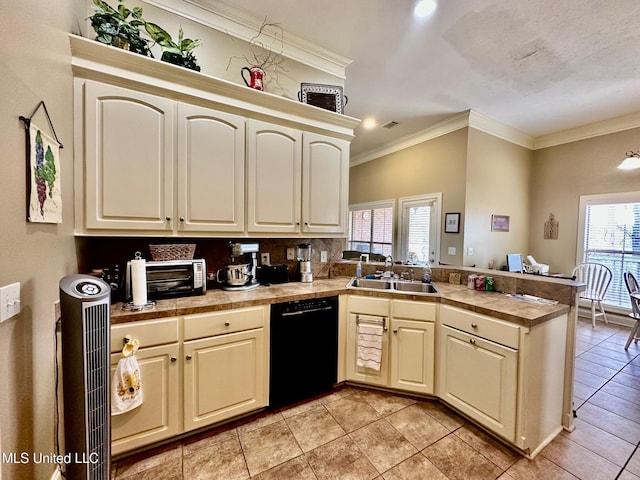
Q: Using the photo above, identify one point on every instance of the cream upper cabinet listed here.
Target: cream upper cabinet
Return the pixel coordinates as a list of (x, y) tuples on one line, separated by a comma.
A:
[(210, 170), (297, 181), (274, 176), (325, 184), (128, 159)]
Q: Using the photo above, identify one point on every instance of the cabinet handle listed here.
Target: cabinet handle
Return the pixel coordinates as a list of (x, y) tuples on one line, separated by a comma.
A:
[(167, 218), (472, 341), (182, 219), (395, 330), (226, 324), (189, 357), (474, 325), (174, 359)]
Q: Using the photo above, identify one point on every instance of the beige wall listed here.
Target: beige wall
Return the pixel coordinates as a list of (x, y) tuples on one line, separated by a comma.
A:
[(437, 165), (497, 182), (34, 66), (561, 175)]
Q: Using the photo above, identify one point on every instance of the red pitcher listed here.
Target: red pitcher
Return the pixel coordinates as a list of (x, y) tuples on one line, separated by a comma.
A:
[(256, 77)]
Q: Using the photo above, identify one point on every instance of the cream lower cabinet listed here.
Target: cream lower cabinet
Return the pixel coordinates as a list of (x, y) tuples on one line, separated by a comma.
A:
[(413, 346), (158, 417), (507, 377), (408, 341), (374, 311), (479, 377), (225, 365)]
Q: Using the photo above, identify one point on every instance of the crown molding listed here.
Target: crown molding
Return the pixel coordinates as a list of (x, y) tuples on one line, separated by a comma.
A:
[(449, 125), (604, 127), (501, 130), (238, 23)]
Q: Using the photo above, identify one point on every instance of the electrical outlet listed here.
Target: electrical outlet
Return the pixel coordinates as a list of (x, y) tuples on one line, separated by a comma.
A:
[(291, 253), (451, 251), (265, 258), (470, 251), (56, 310), (323, 256), (9, 301)]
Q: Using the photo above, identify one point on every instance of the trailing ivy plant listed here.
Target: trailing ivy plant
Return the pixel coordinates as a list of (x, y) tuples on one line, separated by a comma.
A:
[(115, 27), (178, 53)]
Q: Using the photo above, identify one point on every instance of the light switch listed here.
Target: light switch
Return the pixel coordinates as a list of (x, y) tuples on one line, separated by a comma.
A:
[(452, 251), (9, 301)]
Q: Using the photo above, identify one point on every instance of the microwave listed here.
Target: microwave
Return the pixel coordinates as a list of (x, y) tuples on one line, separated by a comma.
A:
[(172, 278)]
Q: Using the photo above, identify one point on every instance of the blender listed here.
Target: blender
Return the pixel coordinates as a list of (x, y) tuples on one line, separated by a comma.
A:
[(304, 259)]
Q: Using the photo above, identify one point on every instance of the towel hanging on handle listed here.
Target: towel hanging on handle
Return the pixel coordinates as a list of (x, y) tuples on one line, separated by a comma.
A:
[(369, 342), (126, 385)]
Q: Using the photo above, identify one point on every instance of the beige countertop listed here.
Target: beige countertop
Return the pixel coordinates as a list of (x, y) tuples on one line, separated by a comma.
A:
[(495, 304)]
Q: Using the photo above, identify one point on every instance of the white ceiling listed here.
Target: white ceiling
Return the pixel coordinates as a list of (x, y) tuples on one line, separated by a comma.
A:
[(539, 66)]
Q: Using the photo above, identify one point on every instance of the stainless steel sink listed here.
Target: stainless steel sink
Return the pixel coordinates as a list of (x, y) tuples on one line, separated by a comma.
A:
[(371, 283), (417, 287), (393, 286)]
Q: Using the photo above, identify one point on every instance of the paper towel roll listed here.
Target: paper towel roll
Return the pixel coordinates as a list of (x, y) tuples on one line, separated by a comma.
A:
[(139, 281)]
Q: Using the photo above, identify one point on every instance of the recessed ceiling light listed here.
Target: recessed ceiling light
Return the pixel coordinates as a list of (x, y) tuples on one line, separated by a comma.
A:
[(424, 8), (369, 123)]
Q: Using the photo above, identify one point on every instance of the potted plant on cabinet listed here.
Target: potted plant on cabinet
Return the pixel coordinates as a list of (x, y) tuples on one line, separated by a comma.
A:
[(115, 27), (178, 53)]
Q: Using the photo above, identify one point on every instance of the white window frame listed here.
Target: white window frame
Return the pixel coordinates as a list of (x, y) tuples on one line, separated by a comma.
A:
[(404, 203), (600, 199), (389, 203)]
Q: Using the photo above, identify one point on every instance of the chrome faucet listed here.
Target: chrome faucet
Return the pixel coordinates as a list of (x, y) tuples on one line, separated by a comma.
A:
[(388, 265)]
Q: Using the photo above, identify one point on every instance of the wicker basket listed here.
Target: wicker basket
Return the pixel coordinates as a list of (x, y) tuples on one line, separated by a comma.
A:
[(174, 251)]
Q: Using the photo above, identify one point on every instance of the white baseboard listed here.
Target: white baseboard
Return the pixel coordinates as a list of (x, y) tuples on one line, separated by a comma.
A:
[(56, 474)]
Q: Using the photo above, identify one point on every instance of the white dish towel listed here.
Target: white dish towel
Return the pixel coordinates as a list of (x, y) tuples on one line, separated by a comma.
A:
[(126, 386), (369, 343)]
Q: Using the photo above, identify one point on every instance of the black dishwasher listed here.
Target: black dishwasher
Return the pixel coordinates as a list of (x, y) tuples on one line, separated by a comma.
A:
[(304, 349)]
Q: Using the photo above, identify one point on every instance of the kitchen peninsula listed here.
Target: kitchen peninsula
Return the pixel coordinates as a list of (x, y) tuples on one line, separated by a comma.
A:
[(513, 348)]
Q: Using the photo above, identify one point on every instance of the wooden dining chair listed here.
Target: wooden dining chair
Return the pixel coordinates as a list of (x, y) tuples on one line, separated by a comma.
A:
[(634, 295), (598, 278)]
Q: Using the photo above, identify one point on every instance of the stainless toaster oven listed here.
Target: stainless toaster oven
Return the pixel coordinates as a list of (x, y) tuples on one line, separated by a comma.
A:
[(172, 278)]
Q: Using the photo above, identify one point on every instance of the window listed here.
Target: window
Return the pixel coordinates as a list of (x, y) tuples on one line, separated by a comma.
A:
[(419, 228), (610, 233), (371, 227)]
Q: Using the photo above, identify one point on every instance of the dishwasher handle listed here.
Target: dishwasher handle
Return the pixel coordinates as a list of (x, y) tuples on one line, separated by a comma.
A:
[(302, 312)]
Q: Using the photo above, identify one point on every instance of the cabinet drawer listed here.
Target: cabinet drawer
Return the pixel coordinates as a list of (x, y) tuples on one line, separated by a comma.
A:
[(147, 332), (369, 306), (498, 331), (413, 310), (226, 321)]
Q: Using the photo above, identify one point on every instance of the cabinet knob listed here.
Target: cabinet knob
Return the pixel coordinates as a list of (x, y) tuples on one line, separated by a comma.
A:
[(474, 325), (188, 357), (174, 359), (472, 341), (182, 219), (167, 218), (226, 324), (395, 330)]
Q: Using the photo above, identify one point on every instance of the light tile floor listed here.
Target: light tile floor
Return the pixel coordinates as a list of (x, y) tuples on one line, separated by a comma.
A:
[(362, 434)]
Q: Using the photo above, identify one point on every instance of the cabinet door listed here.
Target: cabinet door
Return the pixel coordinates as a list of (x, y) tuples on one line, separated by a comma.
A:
[(364, 374), (479, 378), (128, 159), (325, 184), (224, 376), (158, 416), (273, 178), (412, 355), (210, 170)]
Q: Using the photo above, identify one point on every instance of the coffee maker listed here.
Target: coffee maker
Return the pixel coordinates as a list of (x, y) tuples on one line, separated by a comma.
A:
[(304, 259), (242, 275)]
